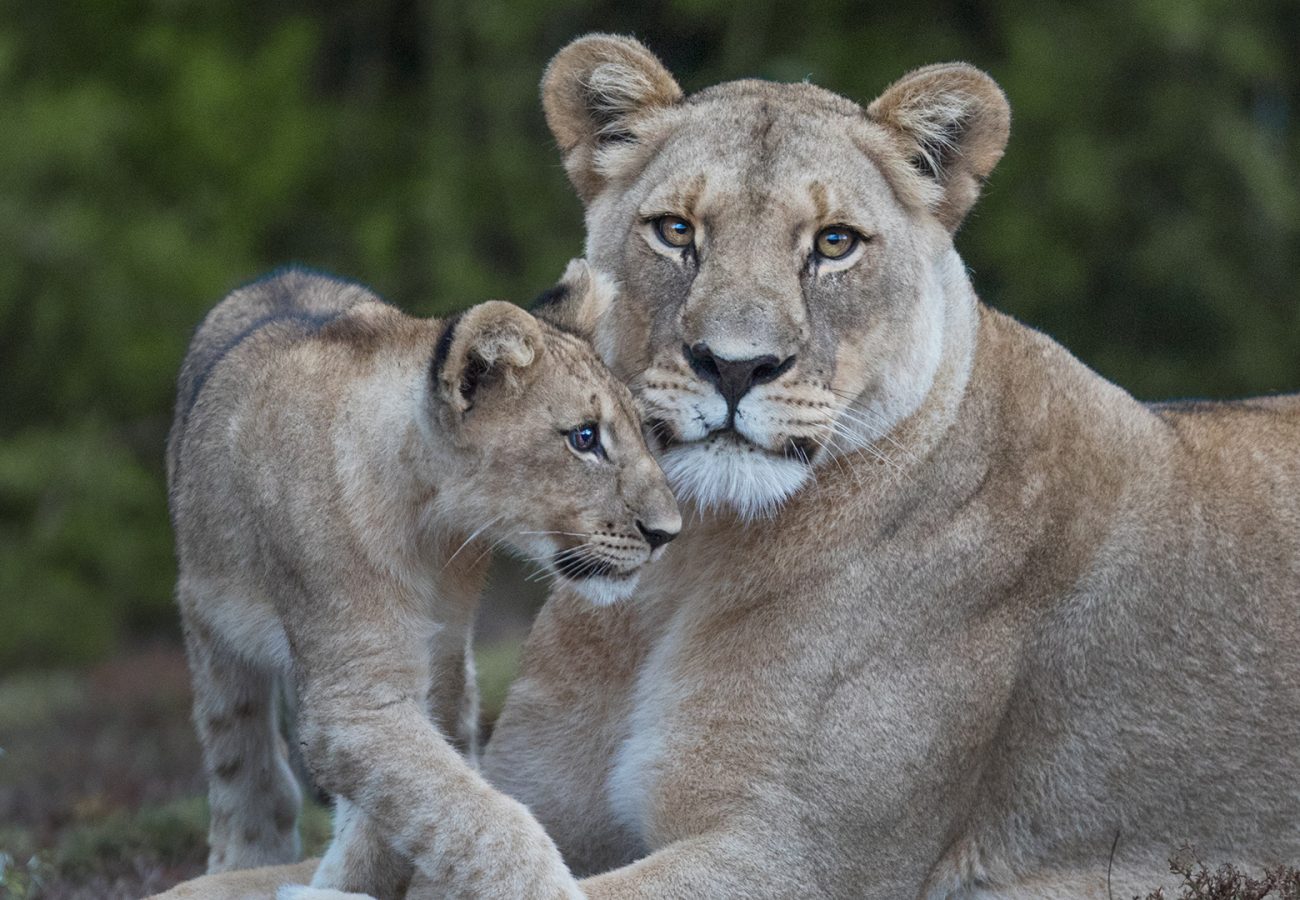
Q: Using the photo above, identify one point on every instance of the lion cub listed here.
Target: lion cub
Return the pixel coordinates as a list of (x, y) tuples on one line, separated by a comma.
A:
[(337, 472)]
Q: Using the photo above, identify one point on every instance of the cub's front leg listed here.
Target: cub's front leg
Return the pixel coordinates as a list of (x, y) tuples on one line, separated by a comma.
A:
[(360, 857), (368, 739)]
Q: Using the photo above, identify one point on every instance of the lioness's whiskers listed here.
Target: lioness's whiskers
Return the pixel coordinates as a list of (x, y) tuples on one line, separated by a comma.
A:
[(862, 447), (839, 463), (860, 416), (852, 409)]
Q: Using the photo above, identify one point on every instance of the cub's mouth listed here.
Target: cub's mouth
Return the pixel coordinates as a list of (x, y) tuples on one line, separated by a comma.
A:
[(599, 579)]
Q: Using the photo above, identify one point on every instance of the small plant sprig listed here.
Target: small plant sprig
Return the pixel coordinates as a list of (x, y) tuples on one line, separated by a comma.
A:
[(1227, 882)]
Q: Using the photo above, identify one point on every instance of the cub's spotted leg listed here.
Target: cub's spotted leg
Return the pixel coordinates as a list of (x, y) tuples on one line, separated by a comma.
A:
[(252, 792)]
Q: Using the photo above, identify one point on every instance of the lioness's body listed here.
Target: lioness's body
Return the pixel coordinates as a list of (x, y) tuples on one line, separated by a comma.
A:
[(1067, 615), (1004, 615)]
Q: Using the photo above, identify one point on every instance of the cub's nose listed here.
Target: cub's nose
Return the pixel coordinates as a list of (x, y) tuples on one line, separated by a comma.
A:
[(655, 537), (734, 377)]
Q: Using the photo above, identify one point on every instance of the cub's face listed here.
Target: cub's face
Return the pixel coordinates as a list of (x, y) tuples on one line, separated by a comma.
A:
[(548, 456), (784, 256)]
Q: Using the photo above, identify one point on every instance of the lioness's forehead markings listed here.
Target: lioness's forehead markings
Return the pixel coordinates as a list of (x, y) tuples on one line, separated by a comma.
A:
[(684, 198), (692, 192), (799, 95), (821, 206), (829, 208)]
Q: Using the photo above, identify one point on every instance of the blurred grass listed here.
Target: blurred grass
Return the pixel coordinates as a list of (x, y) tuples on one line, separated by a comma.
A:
[(156, 155), (497, 664)]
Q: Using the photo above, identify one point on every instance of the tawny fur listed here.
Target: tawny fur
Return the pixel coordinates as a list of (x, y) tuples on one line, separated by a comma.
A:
[(339, 472), (1007, 614)]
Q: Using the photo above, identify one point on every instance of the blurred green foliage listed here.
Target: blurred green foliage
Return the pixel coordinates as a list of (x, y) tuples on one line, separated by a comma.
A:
[(156, 153)]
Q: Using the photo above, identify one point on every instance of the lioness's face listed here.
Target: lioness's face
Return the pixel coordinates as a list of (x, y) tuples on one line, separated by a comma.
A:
[(783, 258), (549, 456)]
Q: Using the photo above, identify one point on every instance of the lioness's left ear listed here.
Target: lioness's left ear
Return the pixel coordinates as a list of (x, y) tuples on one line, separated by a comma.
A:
[(953, 122), (577, 301), (487, 345)]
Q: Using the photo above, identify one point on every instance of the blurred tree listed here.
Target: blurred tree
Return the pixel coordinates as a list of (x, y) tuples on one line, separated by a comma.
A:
[(156, 153)]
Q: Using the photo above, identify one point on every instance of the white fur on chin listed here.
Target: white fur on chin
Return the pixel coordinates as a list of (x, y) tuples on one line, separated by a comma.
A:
[(721, 473), (605, 591)]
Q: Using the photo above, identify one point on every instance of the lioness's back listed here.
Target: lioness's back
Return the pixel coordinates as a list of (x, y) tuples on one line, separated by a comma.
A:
[(1241, 448)]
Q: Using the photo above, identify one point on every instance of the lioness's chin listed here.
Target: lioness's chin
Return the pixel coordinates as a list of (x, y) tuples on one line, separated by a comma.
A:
[(604, 590), (725, 473)]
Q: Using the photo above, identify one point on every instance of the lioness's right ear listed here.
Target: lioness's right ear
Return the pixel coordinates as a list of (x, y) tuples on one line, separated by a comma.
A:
[(577, 301), (593, 92), (487, 344)]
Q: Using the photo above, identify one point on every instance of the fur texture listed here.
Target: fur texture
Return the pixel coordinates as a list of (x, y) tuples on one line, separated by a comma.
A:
[(1009, 613)]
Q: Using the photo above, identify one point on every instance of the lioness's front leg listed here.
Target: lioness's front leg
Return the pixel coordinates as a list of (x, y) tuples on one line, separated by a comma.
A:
[(735, 862), (367, 738)]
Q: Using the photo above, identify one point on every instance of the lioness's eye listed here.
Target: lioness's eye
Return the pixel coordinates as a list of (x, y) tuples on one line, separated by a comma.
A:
[(835, 242), (675, 231), (586, 439)]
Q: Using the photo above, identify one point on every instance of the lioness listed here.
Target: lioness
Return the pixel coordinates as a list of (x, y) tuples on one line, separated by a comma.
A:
[(337, 472), (954, 613)]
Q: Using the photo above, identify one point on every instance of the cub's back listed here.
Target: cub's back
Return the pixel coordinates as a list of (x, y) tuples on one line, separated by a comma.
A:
[(254, 324)]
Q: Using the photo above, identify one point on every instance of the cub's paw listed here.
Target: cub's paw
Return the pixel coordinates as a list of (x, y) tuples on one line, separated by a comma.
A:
[(303, 892)]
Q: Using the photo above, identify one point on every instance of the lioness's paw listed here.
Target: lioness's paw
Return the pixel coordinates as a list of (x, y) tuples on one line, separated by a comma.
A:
[(303, 892)]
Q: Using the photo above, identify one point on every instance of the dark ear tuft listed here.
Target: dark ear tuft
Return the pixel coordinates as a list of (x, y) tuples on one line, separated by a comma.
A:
[(443, 348), (578, 301), (923, 163), (952, 122), (476, 369), (549, 297)]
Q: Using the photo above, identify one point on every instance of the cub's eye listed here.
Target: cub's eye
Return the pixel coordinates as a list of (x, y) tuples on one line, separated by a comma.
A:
[(586, 438), (835, 242), (675, 231)]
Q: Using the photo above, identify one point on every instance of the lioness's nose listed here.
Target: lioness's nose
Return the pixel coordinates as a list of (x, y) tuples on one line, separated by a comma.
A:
[(656, 537), (734, 377)]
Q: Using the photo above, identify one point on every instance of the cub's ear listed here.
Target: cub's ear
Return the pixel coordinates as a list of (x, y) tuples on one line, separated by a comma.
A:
[(578, 301), (488, 344), (593, 92), (953, 122)]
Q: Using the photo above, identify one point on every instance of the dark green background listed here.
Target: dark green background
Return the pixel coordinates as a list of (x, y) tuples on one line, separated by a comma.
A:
[(155, 154)]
